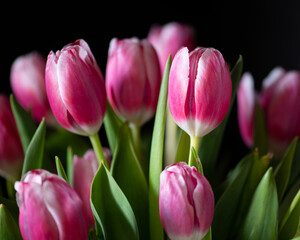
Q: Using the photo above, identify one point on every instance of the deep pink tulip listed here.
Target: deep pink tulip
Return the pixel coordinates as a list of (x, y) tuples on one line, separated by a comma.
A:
[(133, 79), (84, 171), (11, 151), (186, 202), (199, 90), (49, 208), (169, 38), (27, 80), (279, 100), (76, 88)]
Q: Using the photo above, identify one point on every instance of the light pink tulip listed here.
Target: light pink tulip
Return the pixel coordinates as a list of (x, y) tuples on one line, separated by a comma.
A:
[(279, 100), (11, 152), (27, 80), (133, 79), (76, 88), (186, 202), (49, 208), (199, 90), (84, 171), (169, 38), (246, 107)]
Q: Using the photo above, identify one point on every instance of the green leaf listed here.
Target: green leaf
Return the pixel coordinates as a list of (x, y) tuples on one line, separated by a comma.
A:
[(183, 147), (24, 121), (227, 206), (261, 220), (156, 157), (129, 175), (210, 144), (12, 207), (60, 169), (291, 221), (111, 208), (8, 227), (35, 151), (260, 131), (283, 170), (70, 164), (112, 123)]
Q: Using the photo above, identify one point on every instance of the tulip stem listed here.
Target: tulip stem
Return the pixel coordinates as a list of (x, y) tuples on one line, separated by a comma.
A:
[(95, 140), (194, 144)]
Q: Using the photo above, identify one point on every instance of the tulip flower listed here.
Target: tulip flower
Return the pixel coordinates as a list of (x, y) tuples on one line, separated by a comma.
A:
[(186, 202), (49, 208), (199, 91), (169, 38), (133, 79), (76, 88), (84, 171), (279, 100), (76, 91), (11, 151)]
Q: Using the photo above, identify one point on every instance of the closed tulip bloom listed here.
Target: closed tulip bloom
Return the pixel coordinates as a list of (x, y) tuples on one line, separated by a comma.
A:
[(186, 202), (84, 170), (76, 89), (27, 80), (11, 152), (169, 38), (246, 107), (133, 79), (49, 208), (199, 90)]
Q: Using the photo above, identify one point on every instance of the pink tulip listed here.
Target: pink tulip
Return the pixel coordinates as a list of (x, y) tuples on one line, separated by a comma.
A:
[(169, 38), (11, 152), (246, 108), (28, 84), (199, 90), (49, 208), (186, 202), (279, 100), (76, 88), (133, 79), (84, 171)]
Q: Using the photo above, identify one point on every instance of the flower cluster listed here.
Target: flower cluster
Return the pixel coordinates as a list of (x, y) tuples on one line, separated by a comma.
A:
[(127, 190)]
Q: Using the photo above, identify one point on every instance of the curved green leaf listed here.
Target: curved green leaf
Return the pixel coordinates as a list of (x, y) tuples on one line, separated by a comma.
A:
[(8, 227), (111, 208), (129, 175)]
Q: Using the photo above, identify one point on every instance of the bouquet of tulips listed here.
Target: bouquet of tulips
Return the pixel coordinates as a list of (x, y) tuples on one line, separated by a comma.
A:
[(160, 113)]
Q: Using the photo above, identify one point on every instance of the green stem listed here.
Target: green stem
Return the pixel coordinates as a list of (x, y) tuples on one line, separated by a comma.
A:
[(194, 144), (170, 139), (98, 149)]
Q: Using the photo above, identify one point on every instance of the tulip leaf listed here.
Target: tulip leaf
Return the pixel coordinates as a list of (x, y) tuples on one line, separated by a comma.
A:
[(283, 170), (60, 169), (12, 207), (183, 147), (227, 205), (70, 164), (8, 227), (129, 175), (210, 144), (260, 131), (261, 220), (156, 157), (24, 121), (35, 151), (291, 221), (111, 208), (112, 123)]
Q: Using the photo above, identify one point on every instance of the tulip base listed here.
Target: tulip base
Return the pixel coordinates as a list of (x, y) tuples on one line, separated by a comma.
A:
[(194, 143)]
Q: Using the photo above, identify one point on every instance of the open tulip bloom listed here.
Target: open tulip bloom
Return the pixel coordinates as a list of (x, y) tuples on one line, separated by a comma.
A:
[(60, 183)]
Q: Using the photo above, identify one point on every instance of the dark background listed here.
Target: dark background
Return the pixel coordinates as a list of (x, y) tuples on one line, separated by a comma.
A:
[(266, 33)]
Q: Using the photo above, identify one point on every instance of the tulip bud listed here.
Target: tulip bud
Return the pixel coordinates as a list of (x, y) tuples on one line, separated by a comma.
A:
[(246, 108), (199, 90), (27, 80), (76, 89), (133, 79), (84, 171), (169, 38), (186, 202), (49, 208), (11, 151)]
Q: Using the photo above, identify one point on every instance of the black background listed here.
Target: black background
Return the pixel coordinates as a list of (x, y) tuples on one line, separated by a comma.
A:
[(266, 33)]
